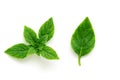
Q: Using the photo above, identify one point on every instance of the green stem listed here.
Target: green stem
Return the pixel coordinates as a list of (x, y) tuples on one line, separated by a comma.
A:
[(79, 56), (79, 62)]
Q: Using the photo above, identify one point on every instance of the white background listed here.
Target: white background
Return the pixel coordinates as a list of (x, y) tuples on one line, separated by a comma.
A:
[(103, 63)]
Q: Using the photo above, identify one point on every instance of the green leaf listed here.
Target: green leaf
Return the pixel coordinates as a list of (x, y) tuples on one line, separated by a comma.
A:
[(31, 50), (18, 51), (47, 29), (30, 35), (83, 39), (48, 53), (43, 39), (39, 49)]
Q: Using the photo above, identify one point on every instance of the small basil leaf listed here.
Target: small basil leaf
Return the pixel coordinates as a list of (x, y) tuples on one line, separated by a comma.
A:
[(43, 39), (31, 50), (40, 48), (83, 39), (18, 51), (30, 35), (47, 29), (49, 53)]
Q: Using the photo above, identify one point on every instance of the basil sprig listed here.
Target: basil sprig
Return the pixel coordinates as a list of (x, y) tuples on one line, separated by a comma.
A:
[(36, 45)]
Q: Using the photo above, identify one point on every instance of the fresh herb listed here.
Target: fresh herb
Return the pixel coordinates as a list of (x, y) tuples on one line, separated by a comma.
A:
[(83, 39), (36, 45)]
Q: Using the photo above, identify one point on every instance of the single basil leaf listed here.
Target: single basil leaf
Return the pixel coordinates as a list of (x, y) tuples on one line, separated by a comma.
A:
[(18, 51), (43, 39), (48, 53), (39, 49), (30, 35), (83, 39), (31, 50), (47, 29)]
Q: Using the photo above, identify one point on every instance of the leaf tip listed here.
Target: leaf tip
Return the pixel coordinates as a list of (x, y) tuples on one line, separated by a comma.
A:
[(57, 58), (5, 51), (87, 18), (51, 18), (25, 27)]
